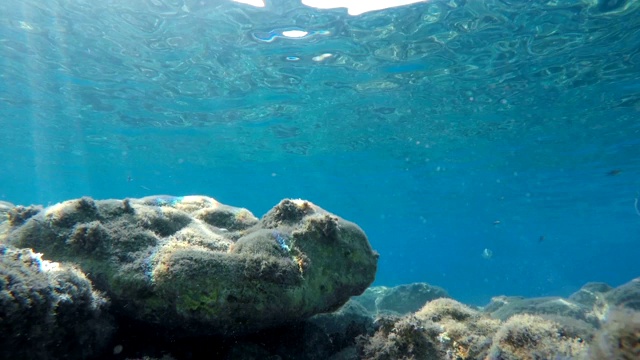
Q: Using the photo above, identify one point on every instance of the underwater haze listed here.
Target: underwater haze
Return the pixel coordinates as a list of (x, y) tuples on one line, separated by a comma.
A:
[(488, 147)]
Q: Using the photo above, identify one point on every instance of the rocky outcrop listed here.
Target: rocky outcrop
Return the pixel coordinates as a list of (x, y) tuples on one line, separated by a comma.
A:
[(48, 310), (195, 265)]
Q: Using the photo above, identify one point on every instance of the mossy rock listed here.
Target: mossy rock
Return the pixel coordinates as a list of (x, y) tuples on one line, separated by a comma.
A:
[(200, 267)]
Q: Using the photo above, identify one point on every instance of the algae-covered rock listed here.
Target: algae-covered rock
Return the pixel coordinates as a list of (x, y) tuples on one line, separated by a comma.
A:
[(5, 207), (441, 329), (402, 338), (619, 337), (369, 298), (404, 299), (445, 329), (201, 267), (464, 332), (625, 296), (503, 307), (399, 300), (345, 325), (48, 310), (590, 294), (526, 336)]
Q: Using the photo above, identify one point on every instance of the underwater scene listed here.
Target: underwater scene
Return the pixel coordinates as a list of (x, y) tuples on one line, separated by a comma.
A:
[(320, 179)]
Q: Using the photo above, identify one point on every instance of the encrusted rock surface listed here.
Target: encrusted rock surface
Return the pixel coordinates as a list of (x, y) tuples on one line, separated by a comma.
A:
[(201, 267), (399, 300), (48, 310)]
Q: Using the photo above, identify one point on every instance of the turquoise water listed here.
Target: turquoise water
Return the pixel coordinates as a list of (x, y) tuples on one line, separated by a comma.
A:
[(442, 128)]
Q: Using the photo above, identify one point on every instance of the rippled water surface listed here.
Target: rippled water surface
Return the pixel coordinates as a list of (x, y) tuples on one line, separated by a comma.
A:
[(443, 128)]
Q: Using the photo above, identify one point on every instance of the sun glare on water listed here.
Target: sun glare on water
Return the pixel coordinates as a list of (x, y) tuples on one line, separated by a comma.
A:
[(354, 7)]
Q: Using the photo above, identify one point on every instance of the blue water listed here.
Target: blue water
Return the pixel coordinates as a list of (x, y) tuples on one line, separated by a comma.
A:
[(442, 128)]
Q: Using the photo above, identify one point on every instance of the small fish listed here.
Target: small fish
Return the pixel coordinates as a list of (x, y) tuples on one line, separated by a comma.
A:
[(614, 172), (497, 222), (541, 238)]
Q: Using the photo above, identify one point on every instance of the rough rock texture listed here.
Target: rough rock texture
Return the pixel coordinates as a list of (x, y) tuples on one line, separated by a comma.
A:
[(5, 207), (48, 310), (619, 337), (201, 267), (369, 298), (402, 338), (409, 298), (464, 332), (345, 325), (532, 337), (445, 330), (399, 300), (503, 307), (581, 313), (305, 341), (442, 329), (590, 294), (625, 296)]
